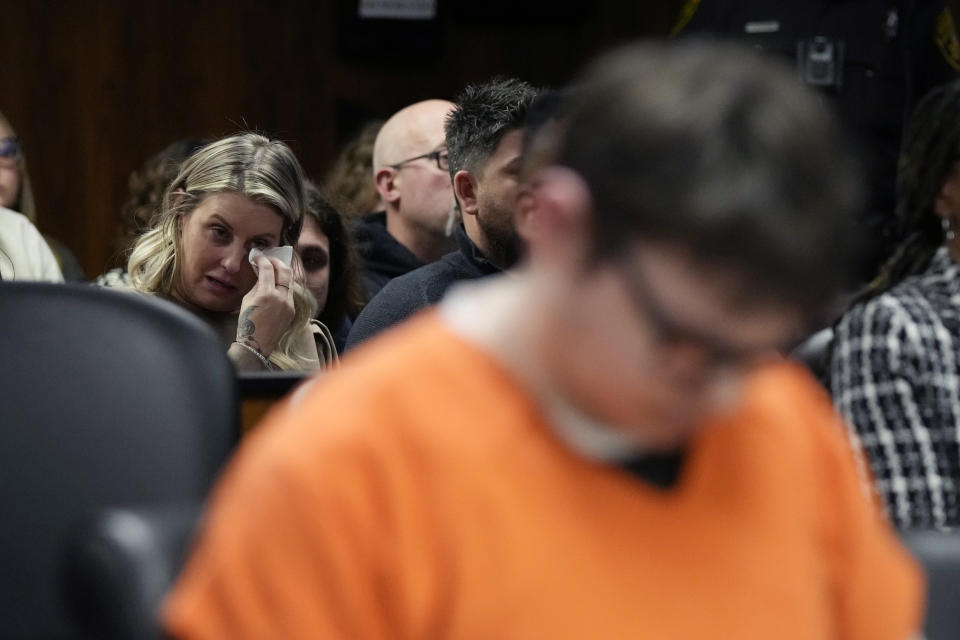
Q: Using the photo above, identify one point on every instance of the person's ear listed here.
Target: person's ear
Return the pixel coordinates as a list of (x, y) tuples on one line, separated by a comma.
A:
[(563, 199), (556, 213), (388, 184), (177, 198), (947, 203), (942, 206), (176, 201), (465, 188)]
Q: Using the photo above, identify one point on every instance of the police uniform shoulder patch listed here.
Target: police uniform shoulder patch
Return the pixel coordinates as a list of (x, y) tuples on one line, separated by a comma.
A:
[(945, 35), (686, 12)]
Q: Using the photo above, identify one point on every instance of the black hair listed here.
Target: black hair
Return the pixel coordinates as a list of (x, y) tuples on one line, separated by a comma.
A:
[(930, 150), (483, 114), (711, 148), (345, 295)]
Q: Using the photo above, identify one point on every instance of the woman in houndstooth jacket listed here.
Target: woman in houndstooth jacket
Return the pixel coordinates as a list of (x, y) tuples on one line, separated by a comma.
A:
[(895, 366)]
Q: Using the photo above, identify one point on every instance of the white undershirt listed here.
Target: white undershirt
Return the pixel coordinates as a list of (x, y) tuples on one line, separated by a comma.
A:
[(483, 314)]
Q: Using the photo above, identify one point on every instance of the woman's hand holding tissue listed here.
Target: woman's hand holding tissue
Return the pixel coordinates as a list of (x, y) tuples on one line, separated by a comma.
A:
[(267, 309)]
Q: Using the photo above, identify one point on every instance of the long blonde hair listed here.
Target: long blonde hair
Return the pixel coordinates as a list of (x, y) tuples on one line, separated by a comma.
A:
[(23, 203), (248, 163)]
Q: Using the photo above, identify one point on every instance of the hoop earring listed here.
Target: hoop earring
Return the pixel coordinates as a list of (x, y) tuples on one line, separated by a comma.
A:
[(948, 232)]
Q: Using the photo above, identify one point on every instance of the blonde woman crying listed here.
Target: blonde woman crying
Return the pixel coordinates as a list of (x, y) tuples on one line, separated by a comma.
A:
[(210, 250)]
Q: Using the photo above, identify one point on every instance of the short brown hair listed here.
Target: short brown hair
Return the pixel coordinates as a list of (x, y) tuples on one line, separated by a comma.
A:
[(713, 148)]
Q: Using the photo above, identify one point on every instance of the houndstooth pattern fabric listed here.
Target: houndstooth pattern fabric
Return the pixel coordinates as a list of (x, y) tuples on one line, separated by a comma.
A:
[(113, 278), (895, 378)]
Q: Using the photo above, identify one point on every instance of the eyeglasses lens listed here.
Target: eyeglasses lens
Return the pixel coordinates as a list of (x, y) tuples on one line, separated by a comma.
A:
[(9, 148)]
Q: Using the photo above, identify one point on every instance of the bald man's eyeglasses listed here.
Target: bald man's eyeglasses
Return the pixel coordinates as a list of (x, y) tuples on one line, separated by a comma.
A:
[(440, 157)]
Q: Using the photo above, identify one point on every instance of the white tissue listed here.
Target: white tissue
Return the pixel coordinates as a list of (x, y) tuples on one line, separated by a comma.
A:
[(284, 254)]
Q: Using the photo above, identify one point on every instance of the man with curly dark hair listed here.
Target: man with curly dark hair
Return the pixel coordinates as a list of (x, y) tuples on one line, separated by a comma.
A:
[(484, 139)]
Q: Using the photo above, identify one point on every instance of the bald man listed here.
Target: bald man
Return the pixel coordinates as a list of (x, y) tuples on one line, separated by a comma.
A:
[(484, 135), (411, 174)]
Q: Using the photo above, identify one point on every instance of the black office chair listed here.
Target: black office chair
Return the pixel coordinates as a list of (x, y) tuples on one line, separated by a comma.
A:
[(119, 565), (939, 553), (110, 399), (814, 351)]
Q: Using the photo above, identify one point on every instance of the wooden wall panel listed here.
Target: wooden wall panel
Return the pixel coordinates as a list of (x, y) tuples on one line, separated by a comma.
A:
[(94, 88)]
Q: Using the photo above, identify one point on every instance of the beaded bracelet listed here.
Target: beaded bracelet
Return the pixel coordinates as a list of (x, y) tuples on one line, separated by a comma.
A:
[(263, 359)]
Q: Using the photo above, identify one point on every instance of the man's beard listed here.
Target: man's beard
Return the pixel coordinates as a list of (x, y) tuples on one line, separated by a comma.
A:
[(504, 246)]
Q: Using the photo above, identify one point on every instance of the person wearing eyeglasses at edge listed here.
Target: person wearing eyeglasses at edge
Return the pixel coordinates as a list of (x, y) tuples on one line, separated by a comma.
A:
[(235, 195), (409, 156), (21, 200), (600, 444), (24, 254), (484, 138)]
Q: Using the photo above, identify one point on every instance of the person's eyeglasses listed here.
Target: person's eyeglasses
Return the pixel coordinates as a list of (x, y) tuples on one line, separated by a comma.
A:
[(440, 157), (9, 149)]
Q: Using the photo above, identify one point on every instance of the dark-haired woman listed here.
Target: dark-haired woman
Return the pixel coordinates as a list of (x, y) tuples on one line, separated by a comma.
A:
[(330, 265), (895, 367)]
